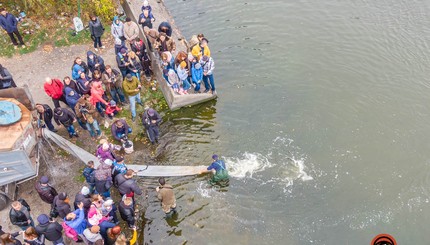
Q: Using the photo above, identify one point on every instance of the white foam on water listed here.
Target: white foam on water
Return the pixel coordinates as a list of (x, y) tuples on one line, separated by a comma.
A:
[(247, 165), (204, 189)]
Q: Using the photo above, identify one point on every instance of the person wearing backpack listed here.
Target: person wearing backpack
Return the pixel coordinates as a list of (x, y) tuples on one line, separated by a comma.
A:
[(51, 229)]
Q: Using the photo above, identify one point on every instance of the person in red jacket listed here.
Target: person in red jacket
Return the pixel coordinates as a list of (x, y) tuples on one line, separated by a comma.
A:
[(112, 109), (96, 98), (54, 89)]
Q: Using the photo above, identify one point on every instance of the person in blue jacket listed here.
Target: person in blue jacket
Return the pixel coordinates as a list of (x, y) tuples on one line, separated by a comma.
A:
[(219, 170), (9, 23), (76, 219), (197, 75), (95, 62)]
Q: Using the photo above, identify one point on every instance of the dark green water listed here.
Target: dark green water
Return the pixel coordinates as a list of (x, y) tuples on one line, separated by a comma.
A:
[(323, 119)]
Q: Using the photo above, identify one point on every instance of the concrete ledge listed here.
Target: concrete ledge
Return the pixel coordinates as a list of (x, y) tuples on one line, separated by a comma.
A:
[(175, 101)]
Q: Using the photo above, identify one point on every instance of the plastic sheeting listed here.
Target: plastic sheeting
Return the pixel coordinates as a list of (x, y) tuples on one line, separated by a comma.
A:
[(142, 170)]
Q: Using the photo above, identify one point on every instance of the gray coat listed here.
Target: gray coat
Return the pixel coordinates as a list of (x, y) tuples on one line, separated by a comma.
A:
[(126, 186), (96, 28)]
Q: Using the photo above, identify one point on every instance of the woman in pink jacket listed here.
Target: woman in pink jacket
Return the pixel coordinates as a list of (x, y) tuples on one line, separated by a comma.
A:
[(97, 93)]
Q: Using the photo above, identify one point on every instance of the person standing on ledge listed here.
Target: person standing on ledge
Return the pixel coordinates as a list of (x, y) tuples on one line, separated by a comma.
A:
[(217, 166), (208, 65), (9, 23)]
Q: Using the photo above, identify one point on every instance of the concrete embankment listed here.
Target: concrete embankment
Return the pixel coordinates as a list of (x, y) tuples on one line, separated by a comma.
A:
[(161, 13)]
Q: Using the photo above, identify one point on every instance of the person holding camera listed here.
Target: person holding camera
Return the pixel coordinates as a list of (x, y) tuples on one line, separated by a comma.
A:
[(132, 87), (86, 112), (151, 120), (120, 128)]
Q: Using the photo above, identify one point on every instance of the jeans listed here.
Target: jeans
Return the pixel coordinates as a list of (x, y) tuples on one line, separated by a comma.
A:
[(83, 125), (59, 241), (104, 226), (94, 125), (136, 74), (117, 92), (153, 133), (31, 224), (211, 79), (119, 134), (197, 88), (57, 101), (185, 84), (71, 130), (97, 41), (18, 35), (133, 100), (100, 107), (92, 188), (123, 72)]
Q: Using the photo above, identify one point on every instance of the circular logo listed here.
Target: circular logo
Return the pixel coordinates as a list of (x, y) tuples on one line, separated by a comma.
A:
[(383, 239)]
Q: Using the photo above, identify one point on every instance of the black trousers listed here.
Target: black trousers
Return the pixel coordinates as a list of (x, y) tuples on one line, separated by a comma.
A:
[(57, 101), (12, 37)]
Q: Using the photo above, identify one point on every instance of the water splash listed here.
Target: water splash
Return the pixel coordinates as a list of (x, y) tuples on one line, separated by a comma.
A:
[(247, 165)]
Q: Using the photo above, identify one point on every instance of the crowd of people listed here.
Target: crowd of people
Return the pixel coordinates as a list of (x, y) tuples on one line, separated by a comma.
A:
[(96, 90)]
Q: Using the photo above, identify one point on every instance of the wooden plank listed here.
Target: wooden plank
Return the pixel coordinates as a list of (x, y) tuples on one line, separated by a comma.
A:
[(166, 171)]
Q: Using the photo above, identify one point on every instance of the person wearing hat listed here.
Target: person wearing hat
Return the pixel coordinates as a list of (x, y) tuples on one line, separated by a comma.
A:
[(146, 18), (93, 235), (72, 95), (132, 87), (202, 49), (117, 28), (109, 209), (46, 192), (148, 7), (103, 176), (86, 112), (218, 169), (131, 30), (52, 230), (112, 109), (196, 75), (63, 116), (76, 219), (166, 28), (62, 204), (151, 121), (208, 65), (120, 128), (122, 61), (106, 150), (167, 197), (83, 197)]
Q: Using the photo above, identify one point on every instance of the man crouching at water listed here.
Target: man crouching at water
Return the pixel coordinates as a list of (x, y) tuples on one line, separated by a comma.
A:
[(167, 197), (221, 173)]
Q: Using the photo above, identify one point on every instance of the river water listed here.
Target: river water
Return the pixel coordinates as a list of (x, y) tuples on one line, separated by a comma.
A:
[(322, 118)]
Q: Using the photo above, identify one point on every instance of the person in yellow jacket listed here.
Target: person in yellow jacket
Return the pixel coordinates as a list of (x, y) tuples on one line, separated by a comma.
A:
[(202, 49), (132, 87)]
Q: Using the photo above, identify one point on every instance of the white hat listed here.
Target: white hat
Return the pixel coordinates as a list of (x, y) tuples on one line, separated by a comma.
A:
[(108, 162), (108, 202), (85, 191), (105, 146), (145, 3)]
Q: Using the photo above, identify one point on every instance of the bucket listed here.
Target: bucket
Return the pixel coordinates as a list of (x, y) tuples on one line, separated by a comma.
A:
[(128, 147)]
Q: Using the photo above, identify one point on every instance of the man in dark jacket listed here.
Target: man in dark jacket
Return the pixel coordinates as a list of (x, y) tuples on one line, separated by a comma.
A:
[(62, 205), (166, 28), (9, 23), (95, 62), (112, 80), (83, 197), (127, 185), (64, 117), (89, 173), (45, 117), (120, 127), (151, 120), (46, 192), (122, 61), (52, 230), (19, 214), (126, 210)]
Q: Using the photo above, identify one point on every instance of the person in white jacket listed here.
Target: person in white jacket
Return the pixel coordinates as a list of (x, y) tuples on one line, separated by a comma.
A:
[(208, 65)]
